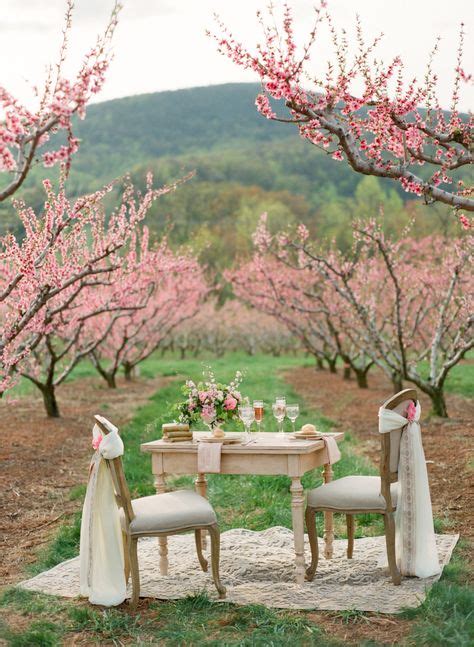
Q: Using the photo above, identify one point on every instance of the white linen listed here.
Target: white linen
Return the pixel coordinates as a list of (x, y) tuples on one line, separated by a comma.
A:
[(415, 539), (333, 453), (209, 458), (101, 555)]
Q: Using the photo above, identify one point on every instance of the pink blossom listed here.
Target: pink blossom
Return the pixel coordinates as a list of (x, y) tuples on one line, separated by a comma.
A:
[(230, 403), (203, 395), (208, 413)]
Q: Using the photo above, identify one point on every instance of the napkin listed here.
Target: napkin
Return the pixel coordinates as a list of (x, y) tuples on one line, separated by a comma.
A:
[(332, 450), (209, 458)]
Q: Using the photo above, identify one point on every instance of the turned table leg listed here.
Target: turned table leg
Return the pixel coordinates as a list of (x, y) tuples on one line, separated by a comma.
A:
[(328, 518), (297, 513), (160, 487), (200, 485)]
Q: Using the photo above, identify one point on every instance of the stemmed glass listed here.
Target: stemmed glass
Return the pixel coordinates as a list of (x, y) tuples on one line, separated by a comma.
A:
[(279, 411), (292, 412), (258, 410), (247, 415)]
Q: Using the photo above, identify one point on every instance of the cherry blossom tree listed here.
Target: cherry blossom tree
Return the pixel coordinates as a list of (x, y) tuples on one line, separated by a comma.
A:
[(410, 301), (177, 288), (23, 132), (362, 110), (71, 246)]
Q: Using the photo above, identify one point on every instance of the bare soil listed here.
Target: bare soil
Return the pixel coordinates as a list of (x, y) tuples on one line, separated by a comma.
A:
[(43, 458)]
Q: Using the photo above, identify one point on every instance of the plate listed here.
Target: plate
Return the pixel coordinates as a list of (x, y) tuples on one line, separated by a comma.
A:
[(224, 441), (301, 437)]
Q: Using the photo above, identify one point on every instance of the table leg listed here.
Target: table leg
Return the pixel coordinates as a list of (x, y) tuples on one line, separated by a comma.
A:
[(297, 513), (328, 518), (200, 485), (160, 487)]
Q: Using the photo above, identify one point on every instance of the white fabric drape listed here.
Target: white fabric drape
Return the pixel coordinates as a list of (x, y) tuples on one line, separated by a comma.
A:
[(101, 557), (415, 539)]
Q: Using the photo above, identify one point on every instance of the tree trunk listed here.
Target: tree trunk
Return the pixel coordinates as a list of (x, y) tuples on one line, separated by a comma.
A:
[(319, 364), (128, 372), (332, 365), (50, 402), (347, 372), (182, 353), (361, 377), (439, 403), (397, 383), (110, 379)]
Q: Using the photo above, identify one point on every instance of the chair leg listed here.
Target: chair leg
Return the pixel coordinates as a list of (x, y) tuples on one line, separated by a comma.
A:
[(350, 535), (389, 524), (215, 556), (310, 516), (201, 558), (135, 573), (126, 557)]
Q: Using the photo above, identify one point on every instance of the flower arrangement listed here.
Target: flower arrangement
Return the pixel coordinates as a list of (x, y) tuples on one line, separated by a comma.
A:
[(210, 401)]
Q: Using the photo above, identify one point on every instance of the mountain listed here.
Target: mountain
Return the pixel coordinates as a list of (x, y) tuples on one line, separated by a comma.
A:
[(118, 134), (244, 164)]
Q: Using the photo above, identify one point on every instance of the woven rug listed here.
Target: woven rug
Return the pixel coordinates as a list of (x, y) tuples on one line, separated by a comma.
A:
[(258, 568)]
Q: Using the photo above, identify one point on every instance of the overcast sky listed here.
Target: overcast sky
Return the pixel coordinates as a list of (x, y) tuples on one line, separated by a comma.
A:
[(161, 44)]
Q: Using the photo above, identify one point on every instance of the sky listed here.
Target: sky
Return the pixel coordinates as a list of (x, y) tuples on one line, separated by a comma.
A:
[(161, 44)]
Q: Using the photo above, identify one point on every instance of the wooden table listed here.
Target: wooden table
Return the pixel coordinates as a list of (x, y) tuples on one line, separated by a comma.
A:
[(268, 454)]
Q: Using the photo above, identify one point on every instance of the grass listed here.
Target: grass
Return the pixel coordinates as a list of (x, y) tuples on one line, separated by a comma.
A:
[(254, 502)]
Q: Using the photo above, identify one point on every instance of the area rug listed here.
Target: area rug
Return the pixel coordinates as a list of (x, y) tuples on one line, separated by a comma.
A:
[(258, 568)]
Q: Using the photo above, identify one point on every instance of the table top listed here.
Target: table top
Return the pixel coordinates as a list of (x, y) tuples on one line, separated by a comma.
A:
[(260, 443)]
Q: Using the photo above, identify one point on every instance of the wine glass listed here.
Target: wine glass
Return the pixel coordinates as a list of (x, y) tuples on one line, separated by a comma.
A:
[(258, 410), (292, 412), (279, 411), (247, 415)]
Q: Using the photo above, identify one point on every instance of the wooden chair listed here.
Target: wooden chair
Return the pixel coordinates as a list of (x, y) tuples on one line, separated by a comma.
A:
[(160, 515), (364, 494)]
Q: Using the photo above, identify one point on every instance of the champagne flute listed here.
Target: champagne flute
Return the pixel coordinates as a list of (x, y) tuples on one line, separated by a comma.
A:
[(292, 412), (247, 416), (279, 411), (258, 410)]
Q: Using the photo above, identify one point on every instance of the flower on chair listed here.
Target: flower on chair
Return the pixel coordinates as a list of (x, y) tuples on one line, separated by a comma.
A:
[(411, 411), (96, 441)]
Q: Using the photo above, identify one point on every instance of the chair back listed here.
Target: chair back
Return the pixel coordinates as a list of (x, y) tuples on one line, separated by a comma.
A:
[(122, 493), (390, 442)]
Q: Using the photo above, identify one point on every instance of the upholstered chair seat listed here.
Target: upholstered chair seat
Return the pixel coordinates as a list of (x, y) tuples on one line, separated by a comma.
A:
[(170, 512), (351, 493)]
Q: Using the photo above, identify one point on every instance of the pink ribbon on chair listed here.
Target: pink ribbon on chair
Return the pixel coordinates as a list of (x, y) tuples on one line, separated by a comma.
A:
[(332, 450)]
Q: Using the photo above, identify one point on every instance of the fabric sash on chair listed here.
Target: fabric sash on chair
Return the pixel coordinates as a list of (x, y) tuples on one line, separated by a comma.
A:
[(101, 557), (415, 543)]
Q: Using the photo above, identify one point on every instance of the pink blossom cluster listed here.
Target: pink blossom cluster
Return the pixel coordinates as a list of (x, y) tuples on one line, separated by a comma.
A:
[(388, 129), (73, 246), (24, 131)]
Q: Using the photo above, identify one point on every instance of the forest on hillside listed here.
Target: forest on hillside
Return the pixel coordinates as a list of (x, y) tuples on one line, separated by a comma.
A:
[(244, 165)]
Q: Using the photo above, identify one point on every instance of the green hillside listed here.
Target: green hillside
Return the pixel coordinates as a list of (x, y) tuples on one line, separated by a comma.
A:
[(244, 165)]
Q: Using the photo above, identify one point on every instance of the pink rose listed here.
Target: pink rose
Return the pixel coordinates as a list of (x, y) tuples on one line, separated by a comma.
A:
[(230, 403), (203, 395), (411, 411)]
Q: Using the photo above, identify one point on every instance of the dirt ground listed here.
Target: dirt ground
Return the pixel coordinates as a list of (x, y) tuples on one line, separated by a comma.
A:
[(42, 459)]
